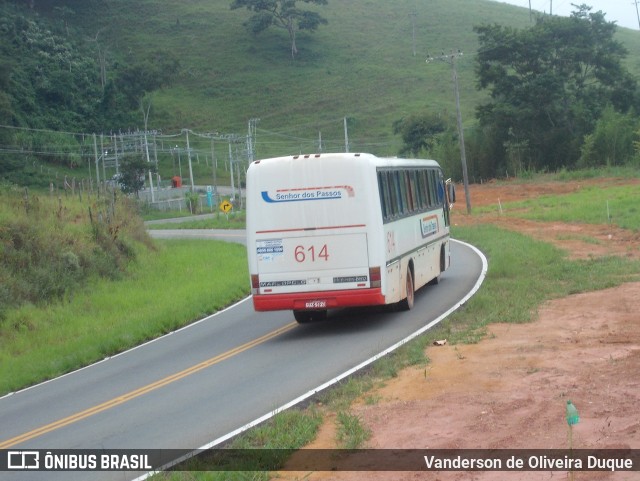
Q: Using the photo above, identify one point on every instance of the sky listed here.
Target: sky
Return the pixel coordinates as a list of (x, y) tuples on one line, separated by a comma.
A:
[(623, 12)]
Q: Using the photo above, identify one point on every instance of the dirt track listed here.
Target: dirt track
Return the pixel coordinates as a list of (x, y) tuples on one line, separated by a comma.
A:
[(510, 390)]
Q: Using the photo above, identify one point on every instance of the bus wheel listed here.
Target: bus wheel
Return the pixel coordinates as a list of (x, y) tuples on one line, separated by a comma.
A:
[(304, 317), (436, 280), (407, 303)]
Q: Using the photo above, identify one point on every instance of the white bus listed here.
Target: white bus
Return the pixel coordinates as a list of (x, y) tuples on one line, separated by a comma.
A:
[(328, 231)]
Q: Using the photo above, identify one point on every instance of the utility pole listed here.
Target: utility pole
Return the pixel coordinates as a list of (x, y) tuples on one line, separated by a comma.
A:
[(251, 146), (115, 153), (451, 59), (250, 142), (102, 155), (233, 186), (413, 16), (214, 164), (145, 114), (346, 136), (95, 151), (193, 189), (146, 148), (637, 13)]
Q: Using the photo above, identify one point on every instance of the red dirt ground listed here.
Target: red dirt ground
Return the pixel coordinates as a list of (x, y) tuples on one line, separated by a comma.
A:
[(510, 389)]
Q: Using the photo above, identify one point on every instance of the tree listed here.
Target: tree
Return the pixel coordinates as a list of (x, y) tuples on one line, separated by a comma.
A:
[(550, 83), (281, 13), (130, 84), (136, 79), (132, 173), (419, 132)]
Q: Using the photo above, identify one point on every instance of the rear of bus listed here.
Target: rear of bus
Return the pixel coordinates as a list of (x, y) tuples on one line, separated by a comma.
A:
[(308, 219)]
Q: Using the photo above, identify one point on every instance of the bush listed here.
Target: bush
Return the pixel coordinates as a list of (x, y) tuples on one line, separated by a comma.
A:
[(612, 141), (192, 199), (50, 246)]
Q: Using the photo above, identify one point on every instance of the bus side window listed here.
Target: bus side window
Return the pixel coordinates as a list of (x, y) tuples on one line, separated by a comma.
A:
[(433, 200), (411, 203), (393, 194), (384, 198), (402, 187), (424, 192), (420, 189)]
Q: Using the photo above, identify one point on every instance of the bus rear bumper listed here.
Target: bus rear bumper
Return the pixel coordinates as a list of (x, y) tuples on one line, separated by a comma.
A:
[(318, 300)]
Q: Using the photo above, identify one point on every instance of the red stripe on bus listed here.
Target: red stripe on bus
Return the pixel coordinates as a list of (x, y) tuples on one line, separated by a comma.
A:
[(333, 299), (303, 229)]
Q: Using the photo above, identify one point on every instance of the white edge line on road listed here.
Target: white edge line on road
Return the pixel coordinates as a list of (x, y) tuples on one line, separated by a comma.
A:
[(129, 350), (316, 390)]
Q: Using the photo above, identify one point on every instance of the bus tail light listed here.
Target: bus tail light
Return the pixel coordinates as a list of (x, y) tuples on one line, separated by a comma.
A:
[(255, 283), (374, 276)]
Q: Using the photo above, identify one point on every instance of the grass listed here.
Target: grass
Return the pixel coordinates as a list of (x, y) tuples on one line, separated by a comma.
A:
[(611, 171), (164, 290), (52, 243), (235, 220), (602, 204), (351, 432), (269, 444), (592, 205), (152, 214), (524, 272)]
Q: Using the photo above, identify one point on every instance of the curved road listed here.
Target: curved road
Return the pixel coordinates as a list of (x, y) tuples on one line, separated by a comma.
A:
[(197, 386)]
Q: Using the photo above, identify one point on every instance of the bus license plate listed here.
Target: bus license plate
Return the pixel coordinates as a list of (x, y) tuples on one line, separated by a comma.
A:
[(316, 305)]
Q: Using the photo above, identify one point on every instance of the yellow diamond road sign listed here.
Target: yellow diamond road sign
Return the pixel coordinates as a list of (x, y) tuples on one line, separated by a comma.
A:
[(225, 206)]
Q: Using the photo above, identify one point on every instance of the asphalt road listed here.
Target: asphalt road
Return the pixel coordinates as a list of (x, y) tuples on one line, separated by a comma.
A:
[(193, 387)]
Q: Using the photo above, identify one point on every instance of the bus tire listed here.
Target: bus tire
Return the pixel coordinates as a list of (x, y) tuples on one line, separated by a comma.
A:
[(303, 317), (407, 303), (436, 280)]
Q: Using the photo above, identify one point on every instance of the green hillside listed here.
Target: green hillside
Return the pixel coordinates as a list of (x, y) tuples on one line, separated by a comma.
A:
[(361, 66), (367, 65)]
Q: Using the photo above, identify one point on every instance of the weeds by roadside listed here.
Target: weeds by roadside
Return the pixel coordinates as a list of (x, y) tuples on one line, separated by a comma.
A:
[(52, 244), (351, 432)]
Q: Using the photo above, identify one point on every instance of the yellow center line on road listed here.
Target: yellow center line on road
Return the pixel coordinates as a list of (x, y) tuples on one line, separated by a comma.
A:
[(143, 390)]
